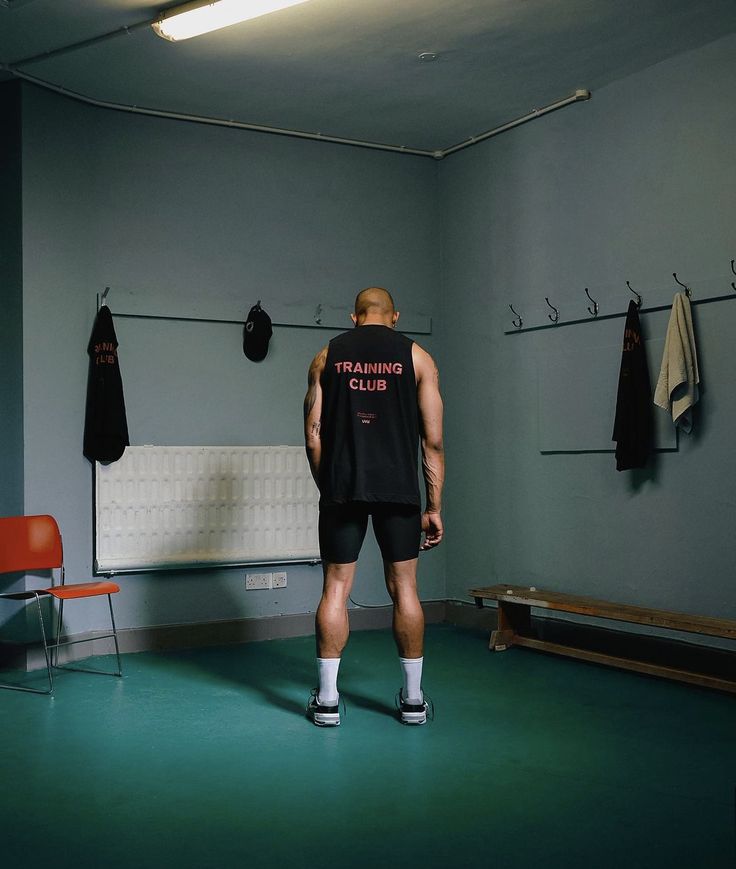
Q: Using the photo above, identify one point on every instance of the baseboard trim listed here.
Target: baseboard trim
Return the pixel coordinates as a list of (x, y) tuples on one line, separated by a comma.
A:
[(466, 616), (219, 633)]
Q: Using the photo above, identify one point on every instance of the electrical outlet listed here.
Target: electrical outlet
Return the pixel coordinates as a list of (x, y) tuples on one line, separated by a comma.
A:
[(279, 580), (257, 580)]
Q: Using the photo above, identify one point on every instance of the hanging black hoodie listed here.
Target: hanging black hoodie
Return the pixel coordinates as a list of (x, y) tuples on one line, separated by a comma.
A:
[(105, 423), (632, 429)]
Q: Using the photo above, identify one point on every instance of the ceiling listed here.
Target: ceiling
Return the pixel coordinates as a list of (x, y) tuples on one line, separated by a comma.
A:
[(350, 68)]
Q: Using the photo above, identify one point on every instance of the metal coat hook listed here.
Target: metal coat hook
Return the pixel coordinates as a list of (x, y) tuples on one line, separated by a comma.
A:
[(104, 296), (594, 310), (318, 315), (688, 292), (553, 317), (518, 323), (734, 271), (638, 297)]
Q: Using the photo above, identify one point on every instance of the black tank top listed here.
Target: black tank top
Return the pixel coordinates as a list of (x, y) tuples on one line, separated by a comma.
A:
[(370, 421)]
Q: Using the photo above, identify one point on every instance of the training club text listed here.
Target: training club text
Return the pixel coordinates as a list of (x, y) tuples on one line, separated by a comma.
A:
[(368, 385)]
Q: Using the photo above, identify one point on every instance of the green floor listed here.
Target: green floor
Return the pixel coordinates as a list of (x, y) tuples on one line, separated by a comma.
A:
[(204, 759)]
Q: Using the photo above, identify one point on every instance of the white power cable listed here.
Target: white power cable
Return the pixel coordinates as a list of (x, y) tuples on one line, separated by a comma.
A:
[(379, 606)]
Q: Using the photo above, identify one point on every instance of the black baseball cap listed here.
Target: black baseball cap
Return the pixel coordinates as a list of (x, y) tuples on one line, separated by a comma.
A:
[(257, 333)]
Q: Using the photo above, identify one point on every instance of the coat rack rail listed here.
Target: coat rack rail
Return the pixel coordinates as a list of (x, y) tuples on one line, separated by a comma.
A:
[(615, 315), (226, 309)]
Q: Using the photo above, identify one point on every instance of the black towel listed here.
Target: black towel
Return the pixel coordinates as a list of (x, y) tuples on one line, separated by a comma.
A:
[(632, 429), (105, 424)]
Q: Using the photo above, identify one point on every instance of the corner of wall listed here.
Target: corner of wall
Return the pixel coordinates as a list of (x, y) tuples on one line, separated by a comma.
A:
[(11, 288), (12, 501)]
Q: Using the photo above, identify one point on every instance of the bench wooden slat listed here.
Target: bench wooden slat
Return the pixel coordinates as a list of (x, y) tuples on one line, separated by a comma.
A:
[(701, 679), (587, 606), (515, 628)]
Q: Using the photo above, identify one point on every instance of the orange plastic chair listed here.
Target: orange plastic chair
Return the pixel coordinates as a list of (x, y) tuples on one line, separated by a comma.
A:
[(30, 543)]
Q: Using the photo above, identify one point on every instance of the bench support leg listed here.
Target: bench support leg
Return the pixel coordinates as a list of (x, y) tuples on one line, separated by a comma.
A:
[(513, 619)]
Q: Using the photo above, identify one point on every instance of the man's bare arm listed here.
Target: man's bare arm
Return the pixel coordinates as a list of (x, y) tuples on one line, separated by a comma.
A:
[(433, 454), (313, 413)]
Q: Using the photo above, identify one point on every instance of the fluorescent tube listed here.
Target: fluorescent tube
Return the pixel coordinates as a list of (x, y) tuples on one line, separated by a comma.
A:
[(193, 19)]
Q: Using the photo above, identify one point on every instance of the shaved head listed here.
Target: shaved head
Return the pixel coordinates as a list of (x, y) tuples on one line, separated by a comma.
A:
[(375, 301)]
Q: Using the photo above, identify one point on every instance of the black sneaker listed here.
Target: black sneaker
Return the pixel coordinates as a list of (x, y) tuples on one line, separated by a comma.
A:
[(414, 713), (321, 715)]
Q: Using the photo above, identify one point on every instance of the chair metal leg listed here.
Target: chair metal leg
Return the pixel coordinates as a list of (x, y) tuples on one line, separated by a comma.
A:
[(59, 622), (45, 646), (115, 636), (50, 689)]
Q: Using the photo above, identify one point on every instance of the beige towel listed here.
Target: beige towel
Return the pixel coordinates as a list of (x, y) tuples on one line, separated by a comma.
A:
[(677, 387)]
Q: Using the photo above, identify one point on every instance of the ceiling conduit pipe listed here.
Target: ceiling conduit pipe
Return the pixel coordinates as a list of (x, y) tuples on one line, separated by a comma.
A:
[(15, 69)]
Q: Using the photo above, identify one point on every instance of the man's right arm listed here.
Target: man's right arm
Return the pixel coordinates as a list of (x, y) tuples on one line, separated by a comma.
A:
[(429, 402), (313, 413)]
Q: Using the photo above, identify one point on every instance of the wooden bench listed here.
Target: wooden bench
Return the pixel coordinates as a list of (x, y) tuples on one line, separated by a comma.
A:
[(515, 628)]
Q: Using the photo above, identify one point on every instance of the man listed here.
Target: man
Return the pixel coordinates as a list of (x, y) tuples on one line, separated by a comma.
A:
[(373, 396)]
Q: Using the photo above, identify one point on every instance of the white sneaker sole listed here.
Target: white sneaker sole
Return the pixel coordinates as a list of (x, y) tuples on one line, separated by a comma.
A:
[(326, 719), (324, 716), (414, 718)]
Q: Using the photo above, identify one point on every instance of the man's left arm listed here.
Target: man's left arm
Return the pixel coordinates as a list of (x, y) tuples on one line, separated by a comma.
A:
[(429, 403), (313, 413)]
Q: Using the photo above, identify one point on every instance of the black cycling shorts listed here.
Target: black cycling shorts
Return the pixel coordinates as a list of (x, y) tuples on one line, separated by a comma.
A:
[(342, 527)]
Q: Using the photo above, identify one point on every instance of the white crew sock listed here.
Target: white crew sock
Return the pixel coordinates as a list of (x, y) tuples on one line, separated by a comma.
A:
[(327, 694), (412, 670)]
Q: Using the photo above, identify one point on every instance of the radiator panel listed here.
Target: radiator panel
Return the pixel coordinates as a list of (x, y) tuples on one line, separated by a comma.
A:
[(160, 507)]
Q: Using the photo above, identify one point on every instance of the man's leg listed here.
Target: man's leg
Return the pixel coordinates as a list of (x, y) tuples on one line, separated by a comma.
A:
[(332, 613), (332, 630), (408, 624), (408, 621), (341, 533), (398, 531)]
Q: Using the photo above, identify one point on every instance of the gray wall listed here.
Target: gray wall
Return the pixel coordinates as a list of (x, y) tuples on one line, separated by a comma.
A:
[(11, 304), (186, 210), (633, 185), (11, 346)]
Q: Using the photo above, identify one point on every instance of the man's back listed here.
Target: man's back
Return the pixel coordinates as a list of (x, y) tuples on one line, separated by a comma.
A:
[(369, 420)]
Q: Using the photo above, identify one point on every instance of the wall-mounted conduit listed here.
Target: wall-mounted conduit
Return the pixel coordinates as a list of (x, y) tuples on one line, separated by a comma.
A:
[(16, 69)]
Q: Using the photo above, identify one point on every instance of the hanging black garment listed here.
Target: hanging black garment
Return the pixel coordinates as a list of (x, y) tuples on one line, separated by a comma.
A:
[(633, 427), (105, 424)]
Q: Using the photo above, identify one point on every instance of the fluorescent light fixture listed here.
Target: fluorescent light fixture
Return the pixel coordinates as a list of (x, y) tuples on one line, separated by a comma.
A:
[(193, 19)]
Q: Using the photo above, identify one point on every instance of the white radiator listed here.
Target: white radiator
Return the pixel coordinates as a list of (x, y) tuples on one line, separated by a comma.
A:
[(165, 507)]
